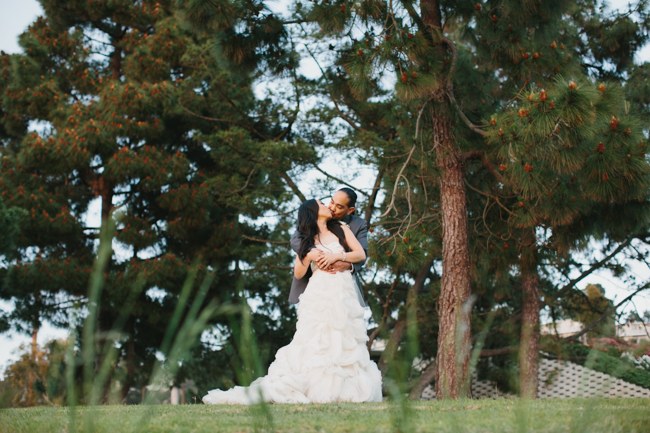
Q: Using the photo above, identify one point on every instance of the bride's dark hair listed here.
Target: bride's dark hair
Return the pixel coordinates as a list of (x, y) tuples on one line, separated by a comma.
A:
[(308, 227)]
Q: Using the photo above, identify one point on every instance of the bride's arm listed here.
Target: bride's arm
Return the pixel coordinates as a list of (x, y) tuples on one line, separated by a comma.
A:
[(300, 266), (357, 254)]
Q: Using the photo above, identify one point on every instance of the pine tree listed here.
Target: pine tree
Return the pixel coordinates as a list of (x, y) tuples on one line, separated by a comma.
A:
[(458, 68), (563, 151), (121, 103)]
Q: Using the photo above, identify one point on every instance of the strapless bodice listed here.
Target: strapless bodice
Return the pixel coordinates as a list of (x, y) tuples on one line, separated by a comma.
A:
[(329, 247)]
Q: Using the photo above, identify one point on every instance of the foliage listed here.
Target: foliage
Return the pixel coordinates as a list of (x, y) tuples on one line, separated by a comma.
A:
[(634, 316), (37, 377), (592, 307), (612, 364), (7, 394), (124, 107), (9, 219)]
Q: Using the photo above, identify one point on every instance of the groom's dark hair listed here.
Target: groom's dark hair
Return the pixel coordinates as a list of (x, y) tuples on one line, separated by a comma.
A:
[(352, 196)]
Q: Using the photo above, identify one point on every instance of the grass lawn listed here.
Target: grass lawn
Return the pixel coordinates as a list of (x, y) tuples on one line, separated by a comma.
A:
[(484, 416)]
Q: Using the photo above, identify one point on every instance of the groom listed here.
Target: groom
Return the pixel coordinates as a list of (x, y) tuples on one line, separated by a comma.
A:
[(342, 208)]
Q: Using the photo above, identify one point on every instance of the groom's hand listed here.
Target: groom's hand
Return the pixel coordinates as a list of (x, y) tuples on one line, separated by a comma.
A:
[(340, 266), (337, 266)]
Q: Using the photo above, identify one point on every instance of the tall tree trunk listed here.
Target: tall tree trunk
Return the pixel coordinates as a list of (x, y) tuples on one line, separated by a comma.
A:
[(104, 188), (529, 339), (454, 306), (32, 372), (400, 328), (129, 380), (452, 378), (428, 374), (390, 351)]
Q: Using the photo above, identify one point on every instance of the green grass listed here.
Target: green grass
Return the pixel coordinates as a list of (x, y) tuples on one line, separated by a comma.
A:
[(484, 416)]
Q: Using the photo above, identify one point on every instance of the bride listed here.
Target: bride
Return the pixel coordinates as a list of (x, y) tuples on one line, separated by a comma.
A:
[(327, 360)]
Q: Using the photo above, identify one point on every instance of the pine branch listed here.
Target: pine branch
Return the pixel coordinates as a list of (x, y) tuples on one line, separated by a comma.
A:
[(450, 88), (417, 19), (340, 112), (341, 181), (90, 38), (499, 351), (599, 68), (485, 194), (264, 241), (296, 21), (641, 256), (112, 31), (284, 176), (242, 113), (208, 118), (296, 110), (391, 205), (479, 154), (417, 122), (593, 268), (373, 196), (243, 188), (67, 303)]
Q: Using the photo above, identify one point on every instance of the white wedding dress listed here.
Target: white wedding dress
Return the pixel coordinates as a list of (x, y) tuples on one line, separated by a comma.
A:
[(327, 360)]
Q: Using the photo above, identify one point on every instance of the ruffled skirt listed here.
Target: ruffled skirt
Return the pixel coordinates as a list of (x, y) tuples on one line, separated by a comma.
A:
[(327, 360)]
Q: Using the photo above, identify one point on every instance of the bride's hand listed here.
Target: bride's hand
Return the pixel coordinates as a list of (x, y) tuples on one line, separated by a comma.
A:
[(314, 255), (326, 260)]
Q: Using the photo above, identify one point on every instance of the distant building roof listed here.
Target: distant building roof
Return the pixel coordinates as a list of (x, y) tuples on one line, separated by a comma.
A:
[(636, 330), (563, 328), (627, 331)]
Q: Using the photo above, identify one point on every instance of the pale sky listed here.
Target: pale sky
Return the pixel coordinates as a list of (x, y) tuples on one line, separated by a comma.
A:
[(16, 15)]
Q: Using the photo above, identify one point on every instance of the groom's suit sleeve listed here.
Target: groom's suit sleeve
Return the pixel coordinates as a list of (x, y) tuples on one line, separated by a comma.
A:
[(295, 242), (295, 245), (362, 236)]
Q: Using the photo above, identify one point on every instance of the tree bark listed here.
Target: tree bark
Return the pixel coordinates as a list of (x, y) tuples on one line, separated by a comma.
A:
[(454, 303), (388, 355), (425, 379), (129, 380), (529, 339), (386, 311), (32, 371), (401, 325)]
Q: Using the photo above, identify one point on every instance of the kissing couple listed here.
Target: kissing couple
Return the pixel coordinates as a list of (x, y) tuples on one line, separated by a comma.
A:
[(327, 360)]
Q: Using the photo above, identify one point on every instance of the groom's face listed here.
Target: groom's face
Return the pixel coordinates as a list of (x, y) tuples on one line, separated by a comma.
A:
[(339, 205)]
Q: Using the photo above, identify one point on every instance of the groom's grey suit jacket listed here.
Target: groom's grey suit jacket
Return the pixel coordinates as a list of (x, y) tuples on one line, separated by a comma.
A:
[(359, 229)]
